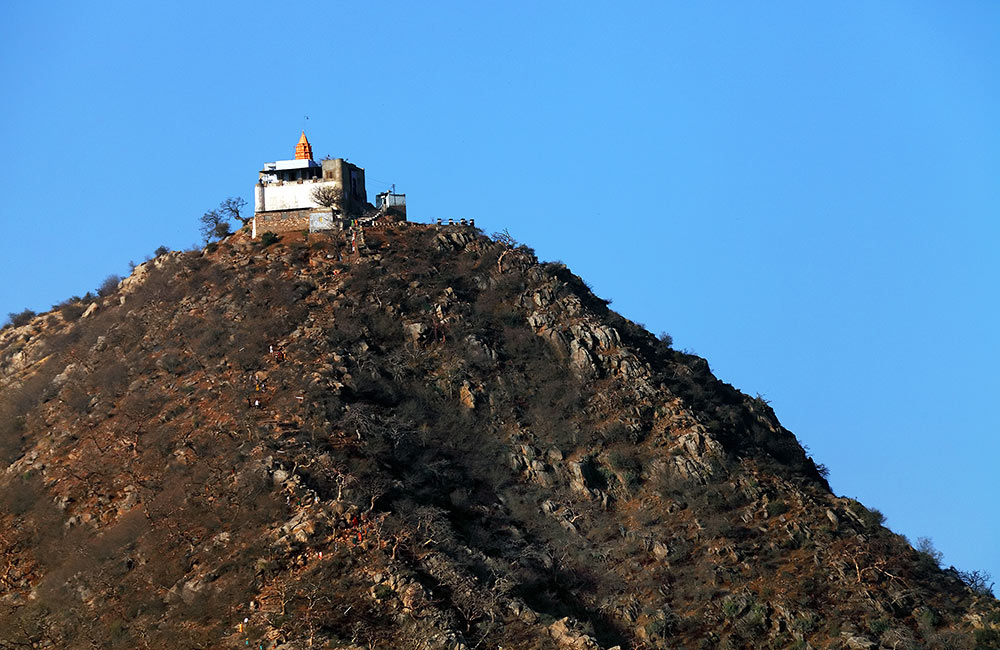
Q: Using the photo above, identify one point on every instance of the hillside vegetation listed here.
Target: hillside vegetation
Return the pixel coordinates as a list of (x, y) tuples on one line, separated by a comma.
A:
[(434, 442)]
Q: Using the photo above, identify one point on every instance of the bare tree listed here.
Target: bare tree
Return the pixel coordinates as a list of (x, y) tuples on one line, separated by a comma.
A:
[(108, 286), (230, 209), (376, 487), (504, 237), (510, 244), (361, 419), (326, 196), (342, 479), (979, 582), (214, 225), (313, 601)]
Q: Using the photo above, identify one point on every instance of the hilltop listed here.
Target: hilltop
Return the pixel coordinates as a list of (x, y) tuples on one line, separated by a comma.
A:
[(434, 441)]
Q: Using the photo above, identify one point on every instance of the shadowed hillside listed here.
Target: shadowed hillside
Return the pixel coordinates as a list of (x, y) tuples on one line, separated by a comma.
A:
[(435, 442)]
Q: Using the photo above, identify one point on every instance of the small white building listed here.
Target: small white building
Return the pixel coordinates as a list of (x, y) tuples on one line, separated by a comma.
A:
[(386, 200)]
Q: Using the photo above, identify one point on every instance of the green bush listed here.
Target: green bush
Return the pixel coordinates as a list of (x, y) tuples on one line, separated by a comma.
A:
[(71, 309), (624, 463), (928, 553), (661, 626), (878, 626), (776, 508), (21, 318), (731, 607), (109, 285), (805, 623), (872, 518), (987, 639), (629, 469), (268, 238), (927, 619)]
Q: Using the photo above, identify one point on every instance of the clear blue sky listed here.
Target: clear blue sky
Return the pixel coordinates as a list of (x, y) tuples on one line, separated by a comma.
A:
[(806, 195)]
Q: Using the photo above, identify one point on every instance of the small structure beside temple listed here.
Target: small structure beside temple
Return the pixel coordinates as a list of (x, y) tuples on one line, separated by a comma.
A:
[(391, 204), (284, 194)]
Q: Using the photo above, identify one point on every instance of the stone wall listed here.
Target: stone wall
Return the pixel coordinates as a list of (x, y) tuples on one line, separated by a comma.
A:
[(283, 221), (354, 198)]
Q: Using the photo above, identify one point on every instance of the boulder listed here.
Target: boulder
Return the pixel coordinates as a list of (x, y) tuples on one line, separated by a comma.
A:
[(581, 360), (832, 517), (415, 331), (465, 396), (858, 642)]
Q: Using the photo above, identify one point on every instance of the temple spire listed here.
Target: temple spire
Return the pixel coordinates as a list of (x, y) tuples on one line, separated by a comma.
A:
[(303, 150)]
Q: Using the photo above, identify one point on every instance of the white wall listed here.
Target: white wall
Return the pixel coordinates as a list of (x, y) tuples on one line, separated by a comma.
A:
[(290, 196)]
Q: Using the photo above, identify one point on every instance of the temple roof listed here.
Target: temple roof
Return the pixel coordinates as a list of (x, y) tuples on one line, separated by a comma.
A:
[(303, 150)]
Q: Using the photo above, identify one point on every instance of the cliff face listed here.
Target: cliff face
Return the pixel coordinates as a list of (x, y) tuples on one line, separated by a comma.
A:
[(435, 442)]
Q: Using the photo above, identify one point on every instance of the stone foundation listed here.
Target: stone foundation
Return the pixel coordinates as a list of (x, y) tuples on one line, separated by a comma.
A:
[(279, 221), (283, 220)]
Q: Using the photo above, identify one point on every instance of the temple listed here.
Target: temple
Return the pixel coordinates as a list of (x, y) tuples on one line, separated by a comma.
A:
[(283, 196)]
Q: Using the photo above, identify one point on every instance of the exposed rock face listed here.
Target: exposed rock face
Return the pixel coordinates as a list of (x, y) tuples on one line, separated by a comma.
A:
[(465, 396), (436, 442)]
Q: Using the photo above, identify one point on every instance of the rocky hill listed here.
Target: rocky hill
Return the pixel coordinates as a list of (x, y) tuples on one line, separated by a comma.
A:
[(435, 441)]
